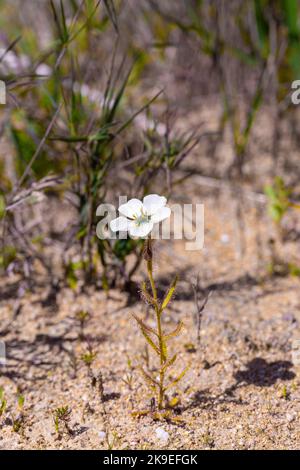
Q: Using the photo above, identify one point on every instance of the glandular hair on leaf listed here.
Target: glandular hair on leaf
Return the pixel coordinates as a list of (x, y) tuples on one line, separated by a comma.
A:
[(170, 293), (175, 332)]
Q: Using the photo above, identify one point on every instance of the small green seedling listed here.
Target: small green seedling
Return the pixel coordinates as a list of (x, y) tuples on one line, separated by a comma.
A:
[(208, 440), (112, 440), (18, 422), (82, 316), (88, 358), (21, 401), (128, 378), (61, 418), (3, 401), (278, 199), (285, 393)]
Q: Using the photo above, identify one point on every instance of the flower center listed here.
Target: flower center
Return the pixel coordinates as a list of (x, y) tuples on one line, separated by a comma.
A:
[(141, 218)]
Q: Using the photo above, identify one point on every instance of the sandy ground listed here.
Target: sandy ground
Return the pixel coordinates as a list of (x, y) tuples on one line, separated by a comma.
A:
[(242, 390)]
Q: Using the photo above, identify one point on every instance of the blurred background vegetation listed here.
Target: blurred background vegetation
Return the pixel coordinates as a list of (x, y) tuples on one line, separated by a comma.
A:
[(112, 97)]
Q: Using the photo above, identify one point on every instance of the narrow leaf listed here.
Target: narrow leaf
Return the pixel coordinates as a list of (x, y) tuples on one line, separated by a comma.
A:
[(164, 350), (147, 296), (175, 332), (143, 325), (169, 294), (180, 376), (169, 363), (149, 380), (152, 344)]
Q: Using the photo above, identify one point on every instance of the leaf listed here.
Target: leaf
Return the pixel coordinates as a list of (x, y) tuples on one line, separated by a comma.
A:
[(2, 406), (111, 110), (139, 111), (71, 276), (8, 255), (269, 191), (64, 23), (123, 248), (144, 328), (56, 20), (147, 296), (169, 363), (152, 344), (151, 382), (180, 376), (2, 206), (169, 294), (294, 269), (290, 8), (144, 325), (138, 414), (21, 401), (164, 350), (261, 24), (175, 332), (278, 199), (111, 12), (174, 402), (105, 284)]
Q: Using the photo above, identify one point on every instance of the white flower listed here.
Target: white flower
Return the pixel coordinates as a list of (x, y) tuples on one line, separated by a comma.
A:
[(162, 435), (138, 218)]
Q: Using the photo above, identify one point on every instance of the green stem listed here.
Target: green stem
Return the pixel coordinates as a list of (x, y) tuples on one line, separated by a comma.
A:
[(159, 332), (161, 373), (150, 275)]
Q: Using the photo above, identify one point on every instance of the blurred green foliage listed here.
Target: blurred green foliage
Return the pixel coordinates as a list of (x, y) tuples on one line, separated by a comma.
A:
[(91, 59), (278, 199), (95, 131)]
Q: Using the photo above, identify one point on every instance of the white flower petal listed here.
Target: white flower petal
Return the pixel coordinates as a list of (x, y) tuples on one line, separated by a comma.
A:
[(132, 208), (120, 224), (152, 203), (161, 214), (140, 231)]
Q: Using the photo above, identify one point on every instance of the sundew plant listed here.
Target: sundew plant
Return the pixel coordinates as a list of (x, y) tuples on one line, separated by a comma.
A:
[(139, 218)]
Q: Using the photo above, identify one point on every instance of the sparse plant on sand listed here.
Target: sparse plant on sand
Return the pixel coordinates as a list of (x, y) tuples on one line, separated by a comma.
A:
[(19, 420), (82, 316), (61, 418), (278, 202), (139, 218), (88, 358), (129, 377)]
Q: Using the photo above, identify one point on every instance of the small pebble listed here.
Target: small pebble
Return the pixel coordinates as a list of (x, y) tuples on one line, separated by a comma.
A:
[(224, 238), (290, 417), (162, 435)]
